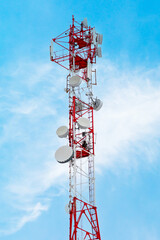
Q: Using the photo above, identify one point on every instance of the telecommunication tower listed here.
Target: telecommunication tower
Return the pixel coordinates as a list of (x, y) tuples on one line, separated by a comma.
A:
[(78, 49)]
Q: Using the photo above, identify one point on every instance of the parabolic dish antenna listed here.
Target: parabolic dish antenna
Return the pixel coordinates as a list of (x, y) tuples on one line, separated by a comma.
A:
[(97, 104), (75, 81), (83, 122), (62, 132), (64, 154)]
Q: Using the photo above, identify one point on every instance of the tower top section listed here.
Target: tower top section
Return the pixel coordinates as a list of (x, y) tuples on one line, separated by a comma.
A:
[(76, 47)]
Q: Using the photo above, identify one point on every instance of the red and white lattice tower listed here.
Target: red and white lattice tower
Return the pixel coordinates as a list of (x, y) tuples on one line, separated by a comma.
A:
[(79, 46)]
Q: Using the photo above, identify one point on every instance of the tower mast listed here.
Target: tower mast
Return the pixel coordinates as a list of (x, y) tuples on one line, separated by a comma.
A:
[(79, 46)]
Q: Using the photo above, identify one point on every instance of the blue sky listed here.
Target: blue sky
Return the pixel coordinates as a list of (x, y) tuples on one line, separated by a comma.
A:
[(33, 104)]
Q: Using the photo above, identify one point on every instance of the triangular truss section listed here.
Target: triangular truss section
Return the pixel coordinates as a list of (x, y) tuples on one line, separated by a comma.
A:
[(83, 221)]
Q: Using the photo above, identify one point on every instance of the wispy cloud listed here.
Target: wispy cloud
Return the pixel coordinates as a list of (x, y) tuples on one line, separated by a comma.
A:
[(30, 215)]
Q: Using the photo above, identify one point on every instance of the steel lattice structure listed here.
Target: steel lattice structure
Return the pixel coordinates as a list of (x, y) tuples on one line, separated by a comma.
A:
[(78, 51)]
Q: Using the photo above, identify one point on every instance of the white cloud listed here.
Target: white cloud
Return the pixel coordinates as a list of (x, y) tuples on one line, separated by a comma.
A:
[(130, 117)]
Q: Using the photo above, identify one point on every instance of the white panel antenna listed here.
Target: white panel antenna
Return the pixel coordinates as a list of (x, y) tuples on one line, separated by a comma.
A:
[(99, 38), (94, 36), (99, 52), (89, 69), (85, 23), (67, 208)]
